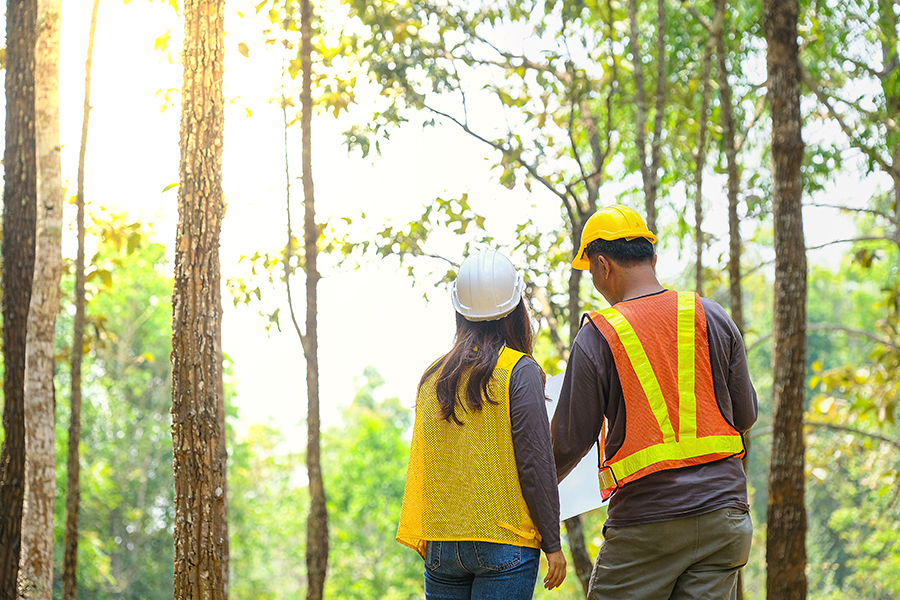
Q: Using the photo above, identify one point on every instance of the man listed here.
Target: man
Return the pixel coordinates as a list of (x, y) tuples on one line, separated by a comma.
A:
[(667, 373)]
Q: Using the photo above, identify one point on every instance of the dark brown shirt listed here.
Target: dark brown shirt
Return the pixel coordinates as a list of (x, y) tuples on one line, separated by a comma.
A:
[(591, 391), (533, 450)]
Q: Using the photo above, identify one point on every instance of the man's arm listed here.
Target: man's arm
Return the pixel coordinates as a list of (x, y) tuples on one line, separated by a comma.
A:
[(731, 376), (579, 414), (743, 395)]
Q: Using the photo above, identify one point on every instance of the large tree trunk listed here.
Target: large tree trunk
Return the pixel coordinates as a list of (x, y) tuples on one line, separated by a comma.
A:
[(317, 520), (36, 566), (19, 208), (786, 522), (201, 559)]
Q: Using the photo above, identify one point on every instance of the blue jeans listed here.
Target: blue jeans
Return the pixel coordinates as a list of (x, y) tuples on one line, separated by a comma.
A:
[(480, 571)]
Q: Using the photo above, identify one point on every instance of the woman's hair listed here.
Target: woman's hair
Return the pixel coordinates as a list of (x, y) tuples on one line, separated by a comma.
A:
[(475, 352)]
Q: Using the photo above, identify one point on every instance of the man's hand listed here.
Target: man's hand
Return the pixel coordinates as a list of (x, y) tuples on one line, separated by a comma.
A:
[(556, 573)]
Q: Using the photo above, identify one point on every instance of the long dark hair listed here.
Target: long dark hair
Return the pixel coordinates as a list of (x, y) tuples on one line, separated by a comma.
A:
[(475, 352)]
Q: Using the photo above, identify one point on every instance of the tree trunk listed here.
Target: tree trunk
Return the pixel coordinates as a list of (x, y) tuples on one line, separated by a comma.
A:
[(785, 544), (36, 565), (201, 546), (18, 248), (649, 172), (73, 484), (581, 558), (317, 520), (726, 111), (701, 161)]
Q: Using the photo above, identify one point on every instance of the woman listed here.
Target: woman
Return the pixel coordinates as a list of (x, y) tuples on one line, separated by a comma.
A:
[(481, 495)]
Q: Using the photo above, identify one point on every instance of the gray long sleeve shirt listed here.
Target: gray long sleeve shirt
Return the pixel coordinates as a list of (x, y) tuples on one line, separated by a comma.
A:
[(533, 450), (591, 391)]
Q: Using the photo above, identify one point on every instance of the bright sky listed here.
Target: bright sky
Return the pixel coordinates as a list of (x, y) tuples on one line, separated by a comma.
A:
[(373, 316)]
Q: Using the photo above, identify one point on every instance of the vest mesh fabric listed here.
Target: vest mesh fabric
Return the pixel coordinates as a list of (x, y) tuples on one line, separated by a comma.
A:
[(648, 339), (462, 482)]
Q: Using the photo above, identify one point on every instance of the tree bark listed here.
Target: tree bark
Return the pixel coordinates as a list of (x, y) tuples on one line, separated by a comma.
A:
[(785, 544), (73, 484), (649, 172), (726, 111), (18, 248), (701, 159), (201, 559), (36, 565), (317, 520)]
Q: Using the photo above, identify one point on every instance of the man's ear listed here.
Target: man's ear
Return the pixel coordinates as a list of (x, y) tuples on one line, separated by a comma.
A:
[(605, 264)]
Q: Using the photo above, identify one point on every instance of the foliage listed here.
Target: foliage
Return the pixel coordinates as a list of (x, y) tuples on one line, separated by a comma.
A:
[(266, 516), (364, 466), (126, 505)]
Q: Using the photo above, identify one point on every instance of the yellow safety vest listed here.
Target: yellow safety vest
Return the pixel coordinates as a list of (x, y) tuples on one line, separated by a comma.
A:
[(462, 482)]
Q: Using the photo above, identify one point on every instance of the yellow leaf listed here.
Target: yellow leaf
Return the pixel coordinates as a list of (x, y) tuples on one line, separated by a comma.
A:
[(243, 49)]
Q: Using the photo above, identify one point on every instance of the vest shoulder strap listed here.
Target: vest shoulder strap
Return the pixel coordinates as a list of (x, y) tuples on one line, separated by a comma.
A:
[(509, 358)]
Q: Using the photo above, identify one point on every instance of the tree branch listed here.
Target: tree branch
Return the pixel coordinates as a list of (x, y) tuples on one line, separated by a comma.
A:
[(877, 238), (854, 140), (760, 108), (500, 147), (850, 208), (826, 327), (537, 293), (858, 432)]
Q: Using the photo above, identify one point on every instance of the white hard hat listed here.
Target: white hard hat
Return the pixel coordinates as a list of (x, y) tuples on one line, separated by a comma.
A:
[(487, 287)]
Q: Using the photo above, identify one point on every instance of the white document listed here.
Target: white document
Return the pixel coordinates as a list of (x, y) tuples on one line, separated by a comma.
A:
[(579, 492)]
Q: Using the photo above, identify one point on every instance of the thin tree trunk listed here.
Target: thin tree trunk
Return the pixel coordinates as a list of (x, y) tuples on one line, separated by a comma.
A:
[(73, 485), (18, 248), (726, 110), (786, 520), (701, 162), (36, 566), (640, 100), (649, 172), (201, 559), (581, 558), (317, 520), (660, 102)]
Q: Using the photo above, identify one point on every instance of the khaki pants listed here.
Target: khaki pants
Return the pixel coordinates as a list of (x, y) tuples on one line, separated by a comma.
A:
[(696, 558)]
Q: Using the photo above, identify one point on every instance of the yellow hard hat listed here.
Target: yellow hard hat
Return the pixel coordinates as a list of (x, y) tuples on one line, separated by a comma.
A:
[(610, 223)]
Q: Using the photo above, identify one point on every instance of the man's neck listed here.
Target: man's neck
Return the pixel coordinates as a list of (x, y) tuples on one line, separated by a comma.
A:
[(639, 282)]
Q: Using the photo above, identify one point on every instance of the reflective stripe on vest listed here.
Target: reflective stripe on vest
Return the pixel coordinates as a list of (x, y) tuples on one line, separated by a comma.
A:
[(681, 448)]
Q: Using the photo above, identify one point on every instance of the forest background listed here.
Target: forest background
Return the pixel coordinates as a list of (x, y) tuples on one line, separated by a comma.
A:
[(399, 190)]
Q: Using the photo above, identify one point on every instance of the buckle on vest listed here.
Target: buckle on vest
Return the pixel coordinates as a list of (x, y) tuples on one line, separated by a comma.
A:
[(607, 478)]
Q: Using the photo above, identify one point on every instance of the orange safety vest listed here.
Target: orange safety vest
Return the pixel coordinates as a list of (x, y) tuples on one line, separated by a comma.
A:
[(661, 351), (462, 482)]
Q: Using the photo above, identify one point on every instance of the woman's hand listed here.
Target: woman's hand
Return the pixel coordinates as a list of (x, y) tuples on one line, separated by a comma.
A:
[(556, 572)]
